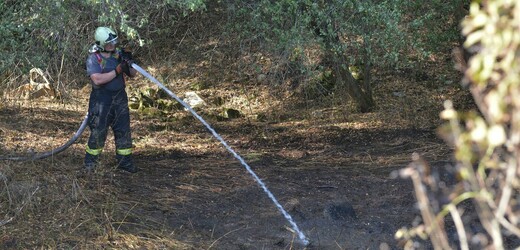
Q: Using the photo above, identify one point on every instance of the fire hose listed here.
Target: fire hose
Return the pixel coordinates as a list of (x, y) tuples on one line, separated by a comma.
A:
[(213, 132), (39, 156)]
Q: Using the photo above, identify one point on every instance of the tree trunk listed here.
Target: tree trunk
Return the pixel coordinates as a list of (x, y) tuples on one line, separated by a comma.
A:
[(359, 90), (342, 75), (367, 75)]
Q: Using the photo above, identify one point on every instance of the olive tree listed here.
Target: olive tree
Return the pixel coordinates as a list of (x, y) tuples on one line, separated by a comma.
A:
[(346, 40)]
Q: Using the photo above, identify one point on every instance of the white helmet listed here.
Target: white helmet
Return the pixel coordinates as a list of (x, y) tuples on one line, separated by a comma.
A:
[(105, 35)]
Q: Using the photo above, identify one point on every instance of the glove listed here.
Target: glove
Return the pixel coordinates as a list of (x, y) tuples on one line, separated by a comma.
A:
[(126, 55), (123, 67), (130, 62)]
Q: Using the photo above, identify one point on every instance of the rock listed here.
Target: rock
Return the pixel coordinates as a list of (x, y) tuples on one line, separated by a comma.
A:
[(194, 100)]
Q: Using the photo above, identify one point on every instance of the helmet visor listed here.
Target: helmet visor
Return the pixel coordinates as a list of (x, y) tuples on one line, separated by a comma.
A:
[(112, 39)]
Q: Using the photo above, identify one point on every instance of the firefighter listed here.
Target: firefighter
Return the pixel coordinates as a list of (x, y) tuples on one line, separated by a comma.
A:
[(107, 68)]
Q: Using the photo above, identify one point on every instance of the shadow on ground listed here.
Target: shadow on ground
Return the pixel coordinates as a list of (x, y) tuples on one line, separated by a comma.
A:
[(191, 193)]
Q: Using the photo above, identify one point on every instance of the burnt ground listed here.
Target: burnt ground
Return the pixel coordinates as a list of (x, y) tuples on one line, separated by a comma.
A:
[(334, 178)]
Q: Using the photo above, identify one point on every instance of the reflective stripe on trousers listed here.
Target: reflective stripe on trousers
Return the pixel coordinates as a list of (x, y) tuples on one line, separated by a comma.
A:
[(94, 151), (124, 151)]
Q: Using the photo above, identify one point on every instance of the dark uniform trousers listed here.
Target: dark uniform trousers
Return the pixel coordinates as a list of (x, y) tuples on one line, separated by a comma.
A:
[(109, 109)]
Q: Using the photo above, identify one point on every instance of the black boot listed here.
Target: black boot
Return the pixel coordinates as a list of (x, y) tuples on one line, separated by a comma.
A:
[(91, 162), (124, 162)]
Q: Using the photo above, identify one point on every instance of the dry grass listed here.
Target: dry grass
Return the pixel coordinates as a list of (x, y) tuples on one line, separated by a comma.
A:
[(53, 204)]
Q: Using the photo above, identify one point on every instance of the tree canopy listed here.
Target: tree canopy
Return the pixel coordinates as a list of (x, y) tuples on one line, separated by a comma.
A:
[(327, 45)]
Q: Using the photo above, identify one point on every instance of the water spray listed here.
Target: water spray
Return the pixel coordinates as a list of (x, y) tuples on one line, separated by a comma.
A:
[(237, 156)]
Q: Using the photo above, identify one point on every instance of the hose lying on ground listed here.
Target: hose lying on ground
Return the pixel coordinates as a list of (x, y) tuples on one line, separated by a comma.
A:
[(38, 156)]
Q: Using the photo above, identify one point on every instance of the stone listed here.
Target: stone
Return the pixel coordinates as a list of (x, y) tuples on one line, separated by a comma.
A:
[(194, 100)]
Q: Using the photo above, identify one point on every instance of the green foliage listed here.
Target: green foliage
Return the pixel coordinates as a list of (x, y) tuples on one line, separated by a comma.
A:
[(34, 33), (129, 16), (387, 30), (337, 34), (51, 33), (434, 24)]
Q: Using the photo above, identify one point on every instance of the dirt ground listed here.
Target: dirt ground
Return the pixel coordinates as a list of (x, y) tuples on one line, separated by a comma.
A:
[(334, 181), (335, 178), (332, 169)]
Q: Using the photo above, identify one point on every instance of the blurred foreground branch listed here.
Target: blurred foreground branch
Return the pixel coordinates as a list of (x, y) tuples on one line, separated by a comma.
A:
[(483, 201)]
